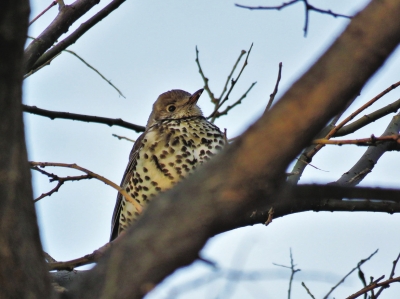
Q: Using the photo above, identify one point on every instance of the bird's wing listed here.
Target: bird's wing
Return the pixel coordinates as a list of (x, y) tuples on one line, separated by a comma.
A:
[(125, 179)]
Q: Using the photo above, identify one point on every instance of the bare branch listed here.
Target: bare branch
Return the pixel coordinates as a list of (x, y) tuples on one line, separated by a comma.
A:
[(375, 284), (351, 116), (273, 94), (308, 291), (233, 83), (390, 277), (231, 74), (46, 63), (91, 67), (293, 272), (205, 79), (93, 175), (372, 141), (307, 8), (371, 155), (66, 17), (123, 137), (60, 180), (73, 37), (85, 260), (81, 117), (230, 107), (369, 118), (351, 271), (43, 12)]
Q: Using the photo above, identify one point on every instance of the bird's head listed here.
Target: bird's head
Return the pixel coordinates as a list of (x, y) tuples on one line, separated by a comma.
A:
[(175, 104)]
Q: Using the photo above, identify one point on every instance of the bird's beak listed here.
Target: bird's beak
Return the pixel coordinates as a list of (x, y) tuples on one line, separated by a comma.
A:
[(195, 97)]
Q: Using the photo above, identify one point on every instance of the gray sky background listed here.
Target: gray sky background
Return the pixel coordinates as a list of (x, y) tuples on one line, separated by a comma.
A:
[(147, 48)]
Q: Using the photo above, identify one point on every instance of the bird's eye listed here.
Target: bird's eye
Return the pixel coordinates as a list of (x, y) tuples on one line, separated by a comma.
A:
[(171, 108)]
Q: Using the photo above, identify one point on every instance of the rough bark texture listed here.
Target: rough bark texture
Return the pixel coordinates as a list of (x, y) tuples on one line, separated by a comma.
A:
[(22, 270), (246, 175)]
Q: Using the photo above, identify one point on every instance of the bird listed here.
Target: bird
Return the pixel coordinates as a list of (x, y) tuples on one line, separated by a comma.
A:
[(177, 139)]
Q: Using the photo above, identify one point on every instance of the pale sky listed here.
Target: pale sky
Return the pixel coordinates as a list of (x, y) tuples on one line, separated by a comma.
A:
[(148, 47)]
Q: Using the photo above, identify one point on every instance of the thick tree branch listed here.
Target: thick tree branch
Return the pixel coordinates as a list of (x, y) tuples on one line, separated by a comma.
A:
[(171, 231), (81, 117)]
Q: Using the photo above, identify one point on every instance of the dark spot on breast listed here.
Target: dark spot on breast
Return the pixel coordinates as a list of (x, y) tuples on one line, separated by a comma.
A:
[(171, 164), (218, 147), (183, 149), (145, 169), (175, 141), (154, 183), (171, 150), (146, 156), (147, 178), (158, 188), (145, 188)]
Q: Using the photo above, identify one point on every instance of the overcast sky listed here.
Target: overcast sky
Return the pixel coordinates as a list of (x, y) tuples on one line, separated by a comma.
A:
[(148, 47)]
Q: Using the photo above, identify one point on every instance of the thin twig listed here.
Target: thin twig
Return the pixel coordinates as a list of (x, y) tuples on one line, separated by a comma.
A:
[(273, 94), (231, 74), (233, 83), (390, 277), (344, 278), (60, 180), (100, 74), (43, 12), (293, 272), (375, 284), (307, 7), (238, 102), (205, 79), (94, 175), (81, 117), (123, 137), (308, 291)]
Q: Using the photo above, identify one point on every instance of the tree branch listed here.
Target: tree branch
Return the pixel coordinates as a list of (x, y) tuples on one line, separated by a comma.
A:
[(73, 37), (172, 229), (65, 18), (371, 156), (367, 119), (93, 175), (81, 117)]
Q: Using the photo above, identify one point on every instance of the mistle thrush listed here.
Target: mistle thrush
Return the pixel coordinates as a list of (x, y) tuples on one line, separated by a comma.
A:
[(177, 139)]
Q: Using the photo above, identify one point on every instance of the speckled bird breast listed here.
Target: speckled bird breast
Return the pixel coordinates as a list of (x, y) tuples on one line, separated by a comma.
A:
[(170, 150)]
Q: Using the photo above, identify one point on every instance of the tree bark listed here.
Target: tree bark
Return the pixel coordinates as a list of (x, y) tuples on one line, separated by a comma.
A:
[(248, 173), (23, 273)]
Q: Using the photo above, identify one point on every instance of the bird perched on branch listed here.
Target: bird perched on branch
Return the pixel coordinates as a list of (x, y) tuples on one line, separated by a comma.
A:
[(177, 139)]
